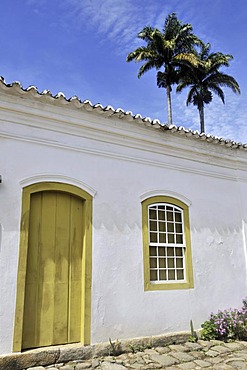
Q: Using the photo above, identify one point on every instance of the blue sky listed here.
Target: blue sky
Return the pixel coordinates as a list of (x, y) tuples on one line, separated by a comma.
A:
[(79, 47)]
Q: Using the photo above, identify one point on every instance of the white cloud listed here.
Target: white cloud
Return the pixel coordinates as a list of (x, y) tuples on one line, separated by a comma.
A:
[(221, 120), (108, 17), (118, 21), (229, 120)]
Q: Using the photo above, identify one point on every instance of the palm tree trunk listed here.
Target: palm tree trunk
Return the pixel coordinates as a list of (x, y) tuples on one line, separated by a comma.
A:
[(201, 114), (169, 104)]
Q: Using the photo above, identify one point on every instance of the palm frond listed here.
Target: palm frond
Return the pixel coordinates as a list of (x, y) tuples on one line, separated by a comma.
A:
[(146, 67), (167, 78), (146, 33), (182, 85), (218, 91), (187, 59), (224, 80), (142, 53), (191, 94)]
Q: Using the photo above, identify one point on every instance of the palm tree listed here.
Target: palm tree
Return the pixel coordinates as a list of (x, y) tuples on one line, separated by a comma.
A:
[(204, 79), (162, 49)]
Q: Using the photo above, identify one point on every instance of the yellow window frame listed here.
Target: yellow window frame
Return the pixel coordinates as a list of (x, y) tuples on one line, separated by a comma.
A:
[(189, 282)]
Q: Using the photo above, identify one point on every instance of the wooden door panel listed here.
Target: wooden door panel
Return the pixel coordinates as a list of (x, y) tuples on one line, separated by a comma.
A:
[(46, 279), (32, 274), (62, 262), (52, 309), (75, 297)]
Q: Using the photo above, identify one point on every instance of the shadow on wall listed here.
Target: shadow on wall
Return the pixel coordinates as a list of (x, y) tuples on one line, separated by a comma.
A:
[(111, 219)]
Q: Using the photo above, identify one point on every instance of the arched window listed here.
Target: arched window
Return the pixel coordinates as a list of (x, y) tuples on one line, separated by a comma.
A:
[(166, 243)]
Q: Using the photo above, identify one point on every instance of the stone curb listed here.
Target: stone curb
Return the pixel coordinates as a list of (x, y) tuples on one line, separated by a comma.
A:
[(57, 354)]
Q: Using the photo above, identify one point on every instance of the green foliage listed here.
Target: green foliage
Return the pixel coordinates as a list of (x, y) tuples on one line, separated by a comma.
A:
[(136, 348), (139, 347), (182, 59), (192, 339), (209, 330), (162, 49), (205, 79), (226, 325)]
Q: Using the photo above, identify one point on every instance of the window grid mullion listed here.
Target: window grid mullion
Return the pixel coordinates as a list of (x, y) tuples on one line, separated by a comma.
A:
[(164, 215)]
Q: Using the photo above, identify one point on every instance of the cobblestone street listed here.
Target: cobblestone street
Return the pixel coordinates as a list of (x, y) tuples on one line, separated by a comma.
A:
[(201, 355)]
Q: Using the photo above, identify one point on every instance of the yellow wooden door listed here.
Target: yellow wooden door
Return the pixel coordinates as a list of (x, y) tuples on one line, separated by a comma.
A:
[(53, 289)]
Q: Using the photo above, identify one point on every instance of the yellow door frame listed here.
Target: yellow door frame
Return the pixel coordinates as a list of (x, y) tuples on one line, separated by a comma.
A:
[(86, 258)]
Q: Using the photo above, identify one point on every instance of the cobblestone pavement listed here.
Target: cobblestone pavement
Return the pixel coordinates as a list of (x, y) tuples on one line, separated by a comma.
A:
[(201, 355)]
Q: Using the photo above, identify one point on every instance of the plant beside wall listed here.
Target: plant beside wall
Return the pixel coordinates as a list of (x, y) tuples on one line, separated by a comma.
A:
[(226, 325)]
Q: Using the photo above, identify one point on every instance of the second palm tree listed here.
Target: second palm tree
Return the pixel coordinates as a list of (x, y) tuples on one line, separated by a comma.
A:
[(204, 79)]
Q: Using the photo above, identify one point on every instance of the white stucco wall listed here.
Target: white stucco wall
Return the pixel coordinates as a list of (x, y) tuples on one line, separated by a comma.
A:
[(119, 162)]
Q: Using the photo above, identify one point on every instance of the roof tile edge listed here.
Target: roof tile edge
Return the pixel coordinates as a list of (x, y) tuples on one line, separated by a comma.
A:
[(109, 111)]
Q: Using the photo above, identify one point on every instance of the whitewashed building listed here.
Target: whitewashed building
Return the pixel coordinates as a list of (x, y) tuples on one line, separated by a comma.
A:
[(113, 225)]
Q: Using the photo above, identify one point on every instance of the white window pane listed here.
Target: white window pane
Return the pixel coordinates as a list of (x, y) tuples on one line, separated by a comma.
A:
[(153, 275), (153, 262), (162, 251), (153, 237), (153, 251), (162, 275), (166, 228), (170, 262), (171, 274), (180, 274), (162, 262), (153, 226), (171, 238)]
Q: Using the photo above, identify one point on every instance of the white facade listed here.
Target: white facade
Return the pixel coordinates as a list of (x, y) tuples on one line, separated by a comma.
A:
[(121, 160)]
